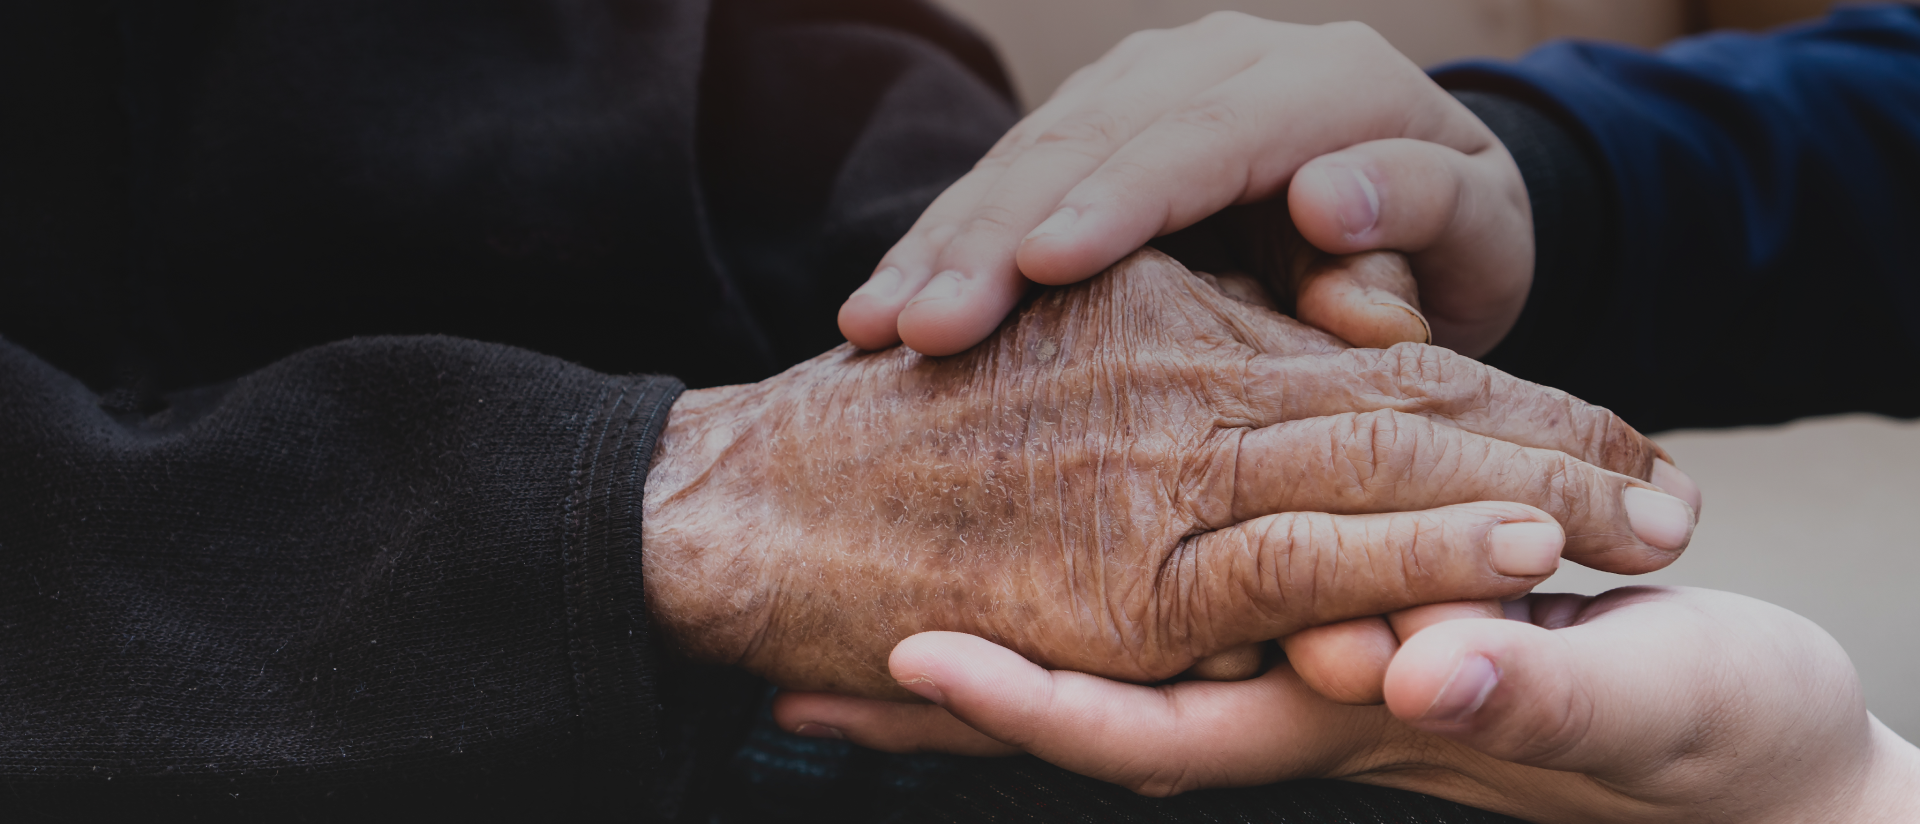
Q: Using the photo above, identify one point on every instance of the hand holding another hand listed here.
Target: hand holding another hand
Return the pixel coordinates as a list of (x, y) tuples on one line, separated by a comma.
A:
[(1639, 705), (1134, 474)]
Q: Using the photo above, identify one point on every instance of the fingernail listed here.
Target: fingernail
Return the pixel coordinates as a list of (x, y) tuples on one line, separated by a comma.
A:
[(925, 688), (1676, 483), (1058, 224), (1658, 518), (1359, 201), (884, 284), (1384, 299), (812, 730), (1524, 549), (1466, 691), (944, 285)]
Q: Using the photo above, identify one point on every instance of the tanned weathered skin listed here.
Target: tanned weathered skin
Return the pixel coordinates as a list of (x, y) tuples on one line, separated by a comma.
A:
[(1086, 487)]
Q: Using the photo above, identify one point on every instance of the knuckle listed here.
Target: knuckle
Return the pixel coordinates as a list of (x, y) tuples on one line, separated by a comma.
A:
[(1436, 380), (1561, 487), (1004, 150), (1380, 446), (993, 218), (1092, 133), (1211, 114)]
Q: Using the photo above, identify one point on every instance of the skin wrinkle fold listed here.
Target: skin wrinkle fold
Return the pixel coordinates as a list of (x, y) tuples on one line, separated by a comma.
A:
[(1057, 490)]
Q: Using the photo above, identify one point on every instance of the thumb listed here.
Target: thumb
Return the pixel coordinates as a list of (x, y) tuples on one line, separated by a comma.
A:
[(1634, 681), (1463, 218), (1367, 299)]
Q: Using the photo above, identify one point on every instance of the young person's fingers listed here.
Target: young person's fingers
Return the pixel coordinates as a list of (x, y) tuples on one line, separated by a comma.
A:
[(1347, 662), (976, 281), (1638, 679), (1409, 622), (1273, 576), (1464, 218), (887, 726), (1394, 462), (1367, 299), (1154, 740), (1241, 142), (870, 317)]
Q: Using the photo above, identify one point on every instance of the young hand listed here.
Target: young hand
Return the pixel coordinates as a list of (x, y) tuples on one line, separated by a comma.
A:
[(1172, 126), (1639, 705)]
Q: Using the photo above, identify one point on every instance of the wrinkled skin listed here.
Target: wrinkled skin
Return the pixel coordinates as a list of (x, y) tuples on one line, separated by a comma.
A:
[(1132, 474)]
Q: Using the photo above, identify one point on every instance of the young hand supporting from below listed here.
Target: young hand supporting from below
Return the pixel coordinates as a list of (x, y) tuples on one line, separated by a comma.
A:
[(1640, 705)]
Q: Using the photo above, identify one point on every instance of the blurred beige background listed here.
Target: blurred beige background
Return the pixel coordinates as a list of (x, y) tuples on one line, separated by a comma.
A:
[(1812, 516)]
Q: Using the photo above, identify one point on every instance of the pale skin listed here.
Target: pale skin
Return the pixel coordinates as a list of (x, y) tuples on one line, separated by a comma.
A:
[(1638, 705)]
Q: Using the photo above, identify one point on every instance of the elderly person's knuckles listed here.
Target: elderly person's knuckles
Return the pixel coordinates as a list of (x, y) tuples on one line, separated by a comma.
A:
[(1457, 391), (1347, 463)]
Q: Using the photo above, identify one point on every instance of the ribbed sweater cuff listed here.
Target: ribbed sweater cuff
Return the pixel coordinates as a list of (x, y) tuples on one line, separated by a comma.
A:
[(610, 641), (1572, 223)]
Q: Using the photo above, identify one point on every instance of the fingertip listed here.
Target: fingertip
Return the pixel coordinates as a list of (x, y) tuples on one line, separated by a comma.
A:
[(1366, 319), (923, 662), (868, 325), (956, 311), (1663, 521), (1444, 675), (1095, 240), (1344, 662), (1676, 483), (1526, 549), (1366, 299), (870, 317), (792, 709)]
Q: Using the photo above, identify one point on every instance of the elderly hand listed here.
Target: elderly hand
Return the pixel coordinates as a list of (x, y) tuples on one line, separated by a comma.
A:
[(1135, 473), (1171, 127), (1640, 705)]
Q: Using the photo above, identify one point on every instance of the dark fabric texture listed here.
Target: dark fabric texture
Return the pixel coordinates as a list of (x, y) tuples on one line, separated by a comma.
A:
[(192, 189), (1761, 190), (1574, 237), (380, 561), (1029, 791)]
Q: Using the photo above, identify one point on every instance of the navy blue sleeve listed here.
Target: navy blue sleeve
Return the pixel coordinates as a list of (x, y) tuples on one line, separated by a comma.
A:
[(1756, 262)]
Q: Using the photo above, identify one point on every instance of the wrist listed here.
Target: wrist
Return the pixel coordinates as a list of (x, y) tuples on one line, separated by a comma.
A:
[(705, 591)]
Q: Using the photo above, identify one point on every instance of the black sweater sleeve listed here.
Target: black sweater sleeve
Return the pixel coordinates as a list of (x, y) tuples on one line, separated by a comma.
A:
[(383, 563)]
